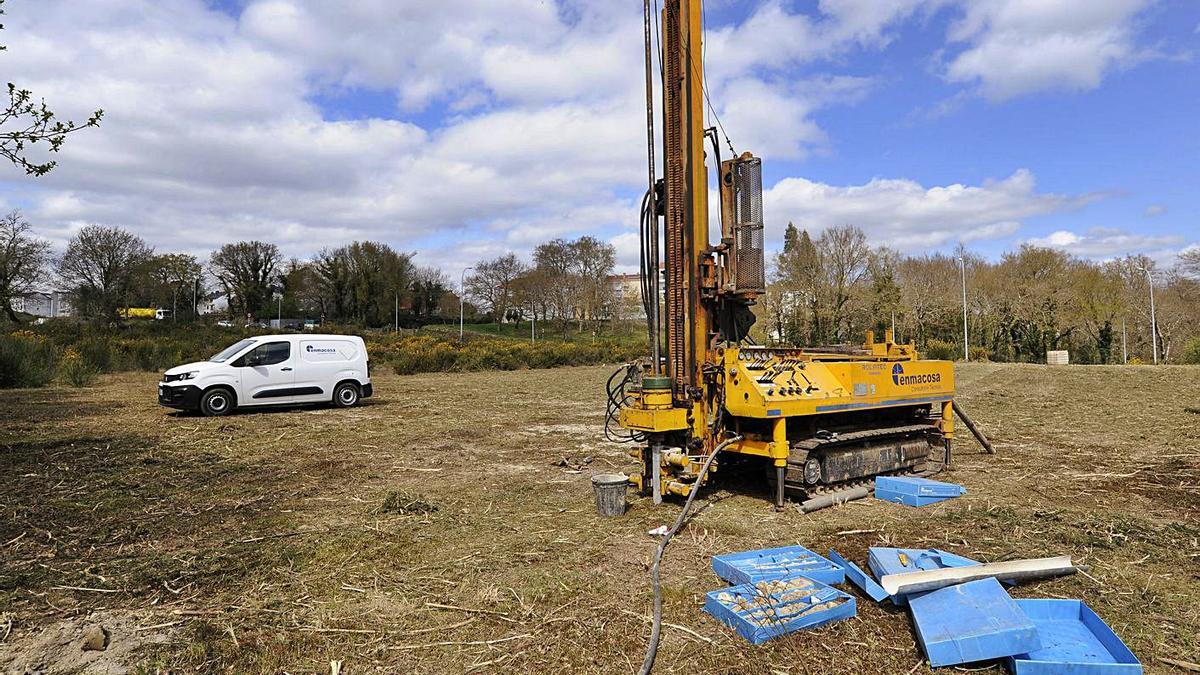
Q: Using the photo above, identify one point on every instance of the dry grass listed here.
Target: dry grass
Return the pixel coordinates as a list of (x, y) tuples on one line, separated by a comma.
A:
[(435, 530)]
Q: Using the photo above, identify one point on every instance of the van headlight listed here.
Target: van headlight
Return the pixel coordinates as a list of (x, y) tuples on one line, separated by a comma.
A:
[(188, 376)]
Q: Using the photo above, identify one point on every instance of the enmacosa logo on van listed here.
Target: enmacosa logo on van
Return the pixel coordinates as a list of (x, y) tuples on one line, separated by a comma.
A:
[(900, 379), (319, 350)]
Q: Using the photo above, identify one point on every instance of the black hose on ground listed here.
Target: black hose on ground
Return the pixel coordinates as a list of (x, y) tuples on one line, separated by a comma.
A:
[(656, 628)]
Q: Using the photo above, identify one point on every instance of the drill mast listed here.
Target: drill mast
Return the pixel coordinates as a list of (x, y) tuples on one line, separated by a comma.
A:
[(708, 289), (821, 420), (686, 195)]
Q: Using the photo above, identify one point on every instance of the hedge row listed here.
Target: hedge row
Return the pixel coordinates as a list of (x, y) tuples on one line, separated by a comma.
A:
[(427, 354), (76, 354)]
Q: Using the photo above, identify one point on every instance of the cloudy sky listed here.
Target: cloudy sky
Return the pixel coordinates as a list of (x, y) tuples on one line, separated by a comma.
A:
[(467, 128)]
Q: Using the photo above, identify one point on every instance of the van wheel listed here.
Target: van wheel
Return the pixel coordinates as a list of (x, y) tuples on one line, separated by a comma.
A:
[(216, 402), (345, 395)]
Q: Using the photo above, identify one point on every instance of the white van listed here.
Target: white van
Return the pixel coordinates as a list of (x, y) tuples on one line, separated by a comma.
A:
[(272, 370)]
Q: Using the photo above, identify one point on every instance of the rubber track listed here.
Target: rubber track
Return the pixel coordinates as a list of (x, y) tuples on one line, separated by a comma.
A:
[(804, 491)]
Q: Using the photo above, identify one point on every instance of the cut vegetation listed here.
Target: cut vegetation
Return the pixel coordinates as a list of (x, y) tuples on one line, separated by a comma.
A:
[(436, 528)]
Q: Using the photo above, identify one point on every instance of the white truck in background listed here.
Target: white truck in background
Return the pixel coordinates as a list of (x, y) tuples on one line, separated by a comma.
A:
[(272, 370)]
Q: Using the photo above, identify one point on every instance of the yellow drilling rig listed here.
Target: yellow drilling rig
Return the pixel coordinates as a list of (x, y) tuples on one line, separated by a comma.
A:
[(821, 421)]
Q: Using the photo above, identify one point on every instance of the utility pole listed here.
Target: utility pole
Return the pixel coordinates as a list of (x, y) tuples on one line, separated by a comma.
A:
[(195, 298), (1153, 317), (532, 324), (966, 337), (462, 295)]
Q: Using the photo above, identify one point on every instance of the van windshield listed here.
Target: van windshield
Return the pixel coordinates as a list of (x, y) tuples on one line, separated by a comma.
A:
[(230, 351)]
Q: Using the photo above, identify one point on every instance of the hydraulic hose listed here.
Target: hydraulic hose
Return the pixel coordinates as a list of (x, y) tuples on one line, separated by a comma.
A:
[(656, 628)]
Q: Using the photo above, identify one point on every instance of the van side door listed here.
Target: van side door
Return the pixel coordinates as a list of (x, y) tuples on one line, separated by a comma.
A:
[(321, 364), (267, 374)]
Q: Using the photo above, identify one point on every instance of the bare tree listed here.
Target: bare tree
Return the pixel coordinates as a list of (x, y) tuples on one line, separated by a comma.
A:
[(25, 123), (492, 283), (928, 292), (23, 260), (845, 260), (100, 265), (1189, 262), (555, 261), (594, 262), (248, 271)]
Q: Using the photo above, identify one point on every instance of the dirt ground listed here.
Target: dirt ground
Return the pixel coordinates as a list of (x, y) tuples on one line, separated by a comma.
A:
[(436, 530)]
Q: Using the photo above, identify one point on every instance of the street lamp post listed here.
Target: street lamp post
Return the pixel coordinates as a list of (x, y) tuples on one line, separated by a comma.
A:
[(1153, 317), (966, 349), (462, 292), (1124, 343)]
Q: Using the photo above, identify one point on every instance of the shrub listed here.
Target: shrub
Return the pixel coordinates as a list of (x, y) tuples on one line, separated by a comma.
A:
[(980, 354), (1191, 352), (425, 354), (26, 360), (97, 352), (940, 349), (155, 346), (76, 369)]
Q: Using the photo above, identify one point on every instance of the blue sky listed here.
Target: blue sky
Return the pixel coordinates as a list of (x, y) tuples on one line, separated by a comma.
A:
[(469, 128)]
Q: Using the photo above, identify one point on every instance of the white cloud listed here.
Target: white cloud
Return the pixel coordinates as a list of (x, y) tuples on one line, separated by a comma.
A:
[(1109, 242), (1017, 47), (211, 133), (423, 50), (514, 122), (774, 38), (1155, 210), (909, 216), (776, 120)]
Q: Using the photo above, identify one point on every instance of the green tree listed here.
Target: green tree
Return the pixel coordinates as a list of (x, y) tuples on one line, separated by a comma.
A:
[(801, 278), (884, 297), (364, 280), (249, 273), (429, 285), (169, 280)]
